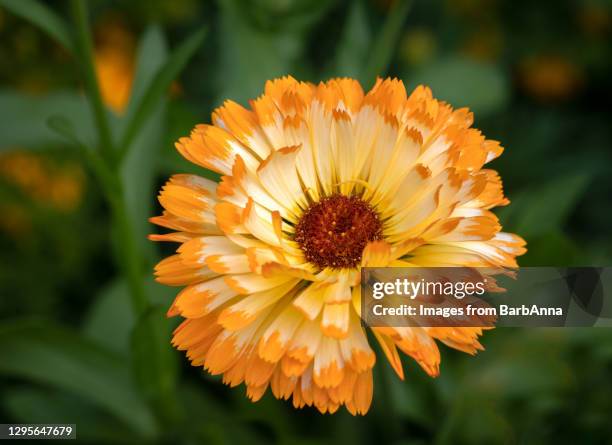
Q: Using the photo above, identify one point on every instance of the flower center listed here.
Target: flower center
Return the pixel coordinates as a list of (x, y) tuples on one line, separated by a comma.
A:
[(334, 231)]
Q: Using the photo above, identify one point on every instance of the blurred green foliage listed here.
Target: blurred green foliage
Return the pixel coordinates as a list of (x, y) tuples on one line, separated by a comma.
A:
[(536, 74)]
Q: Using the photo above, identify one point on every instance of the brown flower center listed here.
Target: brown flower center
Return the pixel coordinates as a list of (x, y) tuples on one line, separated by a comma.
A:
[(334, 231)]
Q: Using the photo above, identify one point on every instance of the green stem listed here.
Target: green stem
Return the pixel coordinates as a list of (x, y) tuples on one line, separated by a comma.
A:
[(107, 168), (128, 256), (130, 261), (106, 165), (84, 53), (127, 251), (163, 400)]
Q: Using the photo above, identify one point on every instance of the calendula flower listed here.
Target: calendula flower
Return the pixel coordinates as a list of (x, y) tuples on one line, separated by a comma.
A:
[(318, 181)]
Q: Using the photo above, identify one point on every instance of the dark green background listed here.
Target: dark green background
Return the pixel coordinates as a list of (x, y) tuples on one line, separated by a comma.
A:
[(536, 74)]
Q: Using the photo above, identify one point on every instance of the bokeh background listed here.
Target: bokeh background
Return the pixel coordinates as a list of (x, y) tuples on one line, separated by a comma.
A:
[(537, 74)]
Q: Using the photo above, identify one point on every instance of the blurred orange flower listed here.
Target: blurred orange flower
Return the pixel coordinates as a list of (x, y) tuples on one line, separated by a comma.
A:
[(114, 63), (595, 19), (550, 78), (484, 44), (57, 186)]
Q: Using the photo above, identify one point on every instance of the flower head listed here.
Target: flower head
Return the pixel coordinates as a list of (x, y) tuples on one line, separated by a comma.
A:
[(319, 180)]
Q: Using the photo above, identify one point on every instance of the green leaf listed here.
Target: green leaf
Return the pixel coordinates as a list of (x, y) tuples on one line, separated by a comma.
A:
[(110, 320), (465, 83), (42, 405), (60, 358), (110, 323), (247, 49), (384, 46), (153, 359), (553, 248), (545, 208), (159, 85), (24, 118), (354, 44), (223, 423), (152, 54), (65, 128), (140, 166), (43, 17), (407, 401)]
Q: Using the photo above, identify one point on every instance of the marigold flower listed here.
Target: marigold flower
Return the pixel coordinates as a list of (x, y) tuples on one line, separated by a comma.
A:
[(319, 180)]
